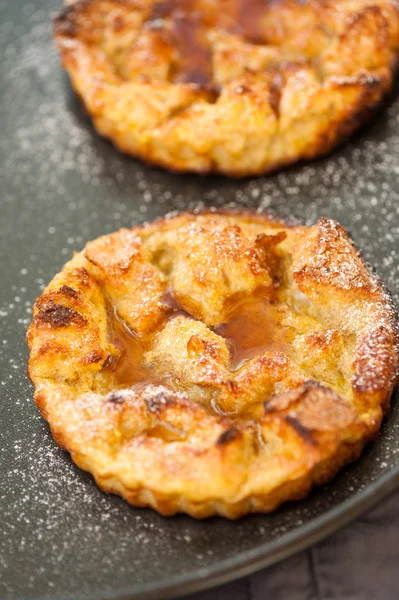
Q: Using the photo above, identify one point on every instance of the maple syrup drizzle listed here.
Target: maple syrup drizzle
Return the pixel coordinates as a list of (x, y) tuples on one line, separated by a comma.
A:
[(252, 330), (195, 55), (250, 20), (190, 23), (128, 366)]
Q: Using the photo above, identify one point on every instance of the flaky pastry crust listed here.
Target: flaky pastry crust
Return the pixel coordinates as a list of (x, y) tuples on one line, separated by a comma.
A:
[(214, 363), (231, 86)]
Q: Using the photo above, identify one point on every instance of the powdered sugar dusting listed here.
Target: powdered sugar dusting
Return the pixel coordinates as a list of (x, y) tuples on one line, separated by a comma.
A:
[(63, 186)]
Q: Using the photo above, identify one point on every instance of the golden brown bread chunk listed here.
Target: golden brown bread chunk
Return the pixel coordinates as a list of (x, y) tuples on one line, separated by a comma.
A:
[(228, 86), (214, 363)]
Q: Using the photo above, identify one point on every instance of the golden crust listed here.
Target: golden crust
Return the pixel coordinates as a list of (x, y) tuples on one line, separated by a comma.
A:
[(265, 379), (229, 87)]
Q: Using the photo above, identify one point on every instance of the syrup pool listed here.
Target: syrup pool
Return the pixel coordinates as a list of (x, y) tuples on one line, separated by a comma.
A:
[(128, 366), (252, 330)]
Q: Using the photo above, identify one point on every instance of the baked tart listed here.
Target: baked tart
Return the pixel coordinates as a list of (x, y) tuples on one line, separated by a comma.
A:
[(239, 87), (214, 363)]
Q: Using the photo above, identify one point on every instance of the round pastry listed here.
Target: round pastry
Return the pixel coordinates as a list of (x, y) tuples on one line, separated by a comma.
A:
[(231, 86), (214, 363)]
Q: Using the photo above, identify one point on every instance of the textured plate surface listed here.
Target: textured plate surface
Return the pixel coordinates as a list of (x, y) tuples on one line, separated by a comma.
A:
[(61, 186)]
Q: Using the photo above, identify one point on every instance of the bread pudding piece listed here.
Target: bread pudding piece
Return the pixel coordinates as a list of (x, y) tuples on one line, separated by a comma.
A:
[(231, 86), (214, 363)]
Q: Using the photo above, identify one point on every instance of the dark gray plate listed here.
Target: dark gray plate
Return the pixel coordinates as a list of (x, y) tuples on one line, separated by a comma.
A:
[(63, 185)]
